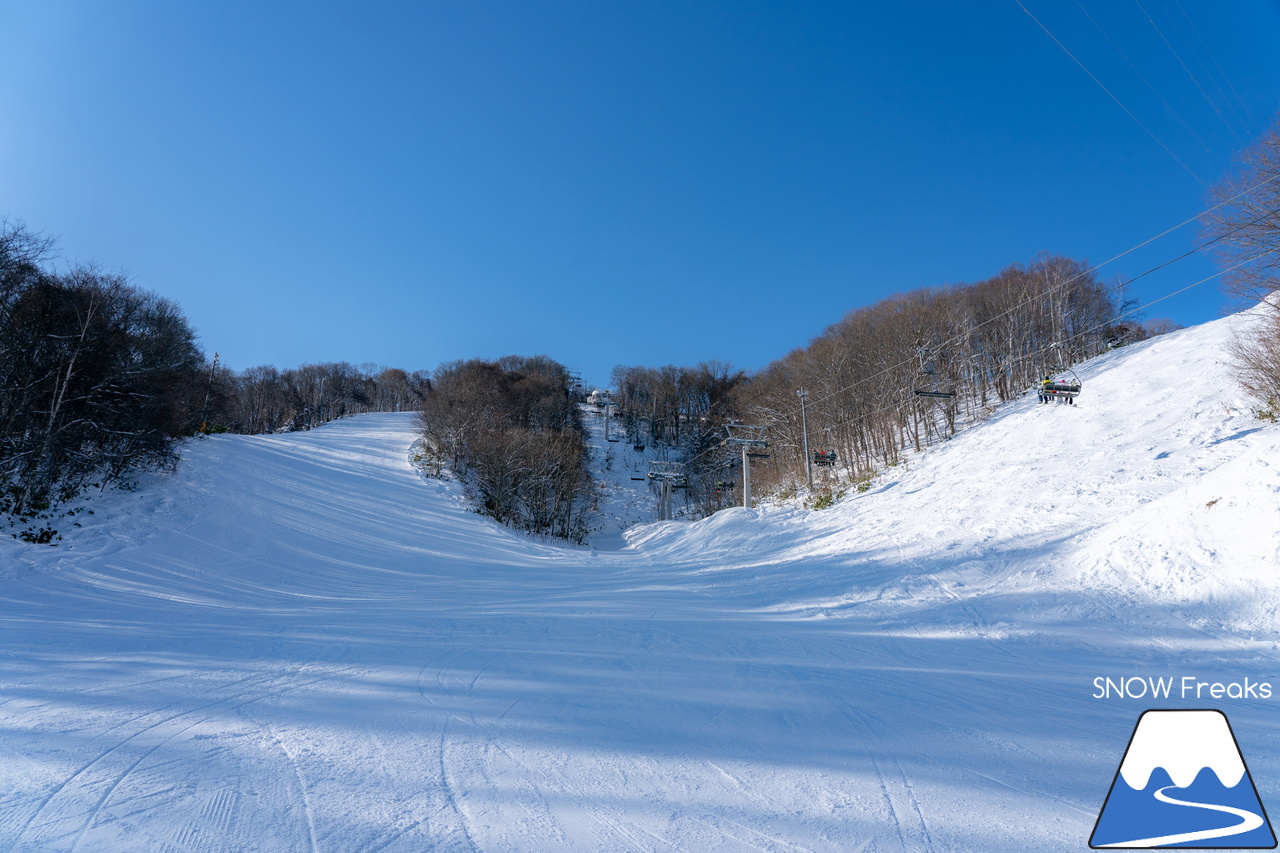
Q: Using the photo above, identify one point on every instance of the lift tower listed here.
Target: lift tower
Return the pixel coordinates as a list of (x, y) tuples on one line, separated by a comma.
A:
[(668, 476), (746, 437)]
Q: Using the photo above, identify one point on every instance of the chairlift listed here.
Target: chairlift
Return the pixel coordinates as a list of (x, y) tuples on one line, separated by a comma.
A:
[(931, 387), (672, 472), (758, 455), (638, 448), (825, 457), (1062, 382)]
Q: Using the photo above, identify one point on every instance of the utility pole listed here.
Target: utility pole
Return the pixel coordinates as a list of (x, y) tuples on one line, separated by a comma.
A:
[(746, 437), (804, 430)]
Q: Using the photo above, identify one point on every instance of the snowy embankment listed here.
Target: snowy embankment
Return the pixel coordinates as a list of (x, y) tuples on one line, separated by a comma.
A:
[(296, 643)]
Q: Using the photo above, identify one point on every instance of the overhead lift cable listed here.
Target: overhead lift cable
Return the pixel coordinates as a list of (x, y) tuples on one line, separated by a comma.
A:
[(1119, 103), (1247, 120), (1144, 79), (1191, 75)]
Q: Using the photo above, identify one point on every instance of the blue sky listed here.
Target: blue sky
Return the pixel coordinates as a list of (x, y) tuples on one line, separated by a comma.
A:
[(613, 182)]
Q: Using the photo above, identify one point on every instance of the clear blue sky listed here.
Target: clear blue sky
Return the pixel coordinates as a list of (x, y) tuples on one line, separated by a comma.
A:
[(616, 182)]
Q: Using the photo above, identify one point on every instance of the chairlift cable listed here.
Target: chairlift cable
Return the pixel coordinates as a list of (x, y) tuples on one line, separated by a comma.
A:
[(957, 337), (1248, 117), (1119, 103), (1143, 78), (1195, 54), (1195, 81)]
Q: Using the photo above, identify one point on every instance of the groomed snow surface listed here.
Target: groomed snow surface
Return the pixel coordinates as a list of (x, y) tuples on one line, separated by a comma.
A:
[(297, 643)]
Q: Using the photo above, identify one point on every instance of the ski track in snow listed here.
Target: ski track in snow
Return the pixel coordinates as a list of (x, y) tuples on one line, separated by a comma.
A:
[(297, 643)]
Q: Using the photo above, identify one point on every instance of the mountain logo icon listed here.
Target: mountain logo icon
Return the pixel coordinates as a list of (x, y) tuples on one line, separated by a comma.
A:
[(1183, 783)]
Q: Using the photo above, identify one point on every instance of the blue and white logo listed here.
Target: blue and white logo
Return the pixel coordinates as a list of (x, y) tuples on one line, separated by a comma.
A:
[(1183, 783)]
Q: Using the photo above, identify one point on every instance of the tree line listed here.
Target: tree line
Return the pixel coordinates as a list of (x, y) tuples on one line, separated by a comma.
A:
[(100, 379), (268, 399), (980, 344)]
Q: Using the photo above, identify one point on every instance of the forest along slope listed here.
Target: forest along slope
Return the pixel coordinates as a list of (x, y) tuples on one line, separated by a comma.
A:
[(297, 643)]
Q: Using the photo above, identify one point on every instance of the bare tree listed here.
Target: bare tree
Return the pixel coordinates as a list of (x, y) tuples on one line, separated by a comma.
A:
[(1245, 221)]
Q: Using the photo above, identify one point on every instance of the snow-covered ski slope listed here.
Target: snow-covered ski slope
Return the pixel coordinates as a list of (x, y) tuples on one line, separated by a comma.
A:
[(296, 643)]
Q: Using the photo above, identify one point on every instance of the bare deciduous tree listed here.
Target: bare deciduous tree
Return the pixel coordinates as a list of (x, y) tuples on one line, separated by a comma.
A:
[(1245, 221)]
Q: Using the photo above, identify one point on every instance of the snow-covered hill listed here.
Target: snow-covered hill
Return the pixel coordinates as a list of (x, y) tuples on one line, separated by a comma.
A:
[(297, 643)]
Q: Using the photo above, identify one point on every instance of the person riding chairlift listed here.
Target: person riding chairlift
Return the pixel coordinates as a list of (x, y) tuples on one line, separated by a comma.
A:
[(1046, 393)]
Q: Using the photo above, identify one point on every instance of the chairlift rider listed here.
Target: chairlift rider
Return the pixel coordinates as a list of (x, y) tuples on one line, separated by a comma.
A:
[(1062, 389)]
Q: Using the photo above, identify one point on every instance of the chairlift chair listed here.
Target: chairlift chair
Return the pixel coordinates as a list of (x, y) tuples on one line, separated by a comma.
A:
[(931, 389), (1065, 383), (825, 457), (673, 472), (927, 384)]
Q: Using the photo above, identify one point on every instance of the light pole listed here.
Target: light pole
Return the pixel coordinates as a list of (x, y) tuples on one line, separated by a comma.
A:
[(804, 430)]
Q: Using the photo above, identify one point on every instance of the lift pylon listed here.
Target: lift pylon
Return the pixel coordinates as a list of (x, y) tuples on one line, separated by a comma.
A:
[(746, 437), (668, 476)]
